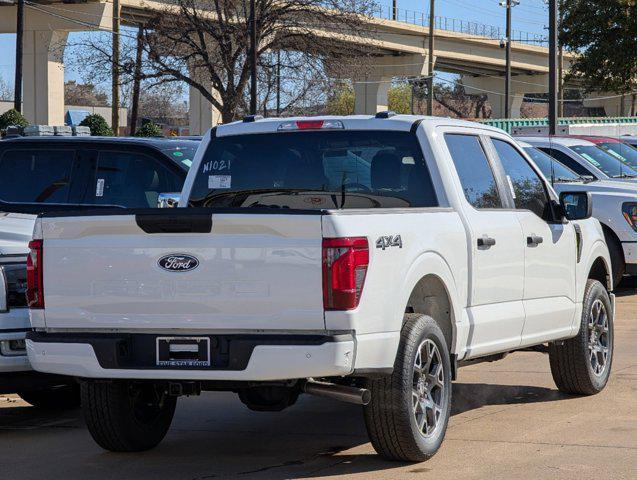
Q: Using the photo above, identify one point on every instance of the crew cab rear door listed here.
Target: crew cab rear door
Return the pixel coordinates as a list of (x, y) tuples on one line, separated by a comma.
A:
[(496, 247), (186, 270)]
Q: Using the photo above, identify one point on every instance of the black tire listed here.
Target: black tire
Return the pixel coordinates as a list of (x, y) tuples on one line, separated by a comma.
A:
[(575, 365), (391, 417), (617, 261), (127, 416), (64, 397)]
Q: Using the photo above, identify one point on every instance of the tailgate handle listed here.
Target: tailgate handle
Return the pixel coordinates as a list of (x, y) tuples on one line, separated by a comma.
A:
[(174, 223)]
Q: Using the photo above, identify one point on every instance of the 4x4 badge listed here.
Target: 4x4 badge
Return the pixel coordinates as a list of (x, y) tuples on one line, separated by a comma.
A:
[(389, 241)]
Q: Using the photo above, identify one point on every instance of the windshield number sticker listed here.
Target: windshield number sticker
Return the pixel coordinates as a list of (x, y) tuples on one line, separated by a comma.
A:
[(389, 241), (219, 181), (591, 159), (99, 188), (216, 165)]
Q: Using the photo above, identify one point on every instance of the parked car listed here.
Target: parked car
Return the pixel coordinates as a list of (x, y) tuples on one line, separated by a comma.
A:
[(614, 205), (366, 280), (616, 147), (629, 139), (67, 173), (584, 157)]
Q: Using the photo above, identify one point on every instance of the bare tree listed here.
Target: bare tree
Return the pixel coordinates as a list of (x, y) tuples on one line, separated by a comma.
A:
[(205, 44), (84, 94), (6, 90)]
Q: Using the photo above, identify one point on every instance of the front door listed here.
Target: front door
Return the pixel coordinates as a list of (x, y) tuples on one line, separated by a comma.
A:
[(550, 251)]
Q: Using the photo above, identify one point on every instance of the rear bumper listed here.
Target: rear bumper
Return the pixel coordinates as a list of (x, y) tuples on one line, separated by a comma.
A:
[(234, 357), (13, 326)]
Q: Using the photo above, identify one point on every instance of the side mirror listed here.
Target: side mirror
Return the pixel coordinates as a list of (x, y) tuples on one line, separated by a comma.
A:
[(168, 200), (576, 205)]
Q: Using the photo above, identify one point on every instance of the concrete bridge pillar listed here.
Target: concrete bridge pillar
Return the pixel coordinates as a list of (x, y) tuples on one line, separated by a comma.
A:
[(202, 115), (45, 34), (613, 105), (493, 87), (370, 95), (43, 70), (371, 90)]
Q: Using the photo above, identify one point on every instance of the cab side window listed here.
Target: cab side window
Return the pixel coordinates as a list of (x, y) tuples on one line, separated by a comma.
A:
[(477, 178), (36, 175), (527, 188), (131, 179)]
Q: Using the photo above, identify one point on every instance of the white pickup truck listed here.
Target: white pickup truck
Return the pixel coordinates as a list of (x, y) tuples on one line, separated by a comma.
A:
[(360, 258)]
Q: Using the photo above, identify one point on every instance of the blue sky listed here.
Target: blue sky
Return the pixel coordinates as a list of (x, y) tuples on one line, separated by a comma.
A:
[(528, 16)]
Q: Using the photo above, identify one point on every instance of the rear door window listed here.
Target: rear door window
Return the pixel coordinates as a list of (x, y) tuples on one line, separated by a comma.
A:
[(476, 176), (315, 170), (130, 179), (36, 175)]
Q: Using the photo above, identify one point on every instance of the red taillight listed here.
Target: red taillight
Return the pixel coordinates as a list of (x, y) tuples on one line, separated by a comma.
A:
[(35, 288), (345, 263)]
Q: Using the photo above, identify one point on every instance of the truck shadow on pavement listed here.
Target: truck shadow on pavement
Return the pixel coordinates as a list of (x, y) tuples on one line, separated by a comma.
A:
[(214, 436)]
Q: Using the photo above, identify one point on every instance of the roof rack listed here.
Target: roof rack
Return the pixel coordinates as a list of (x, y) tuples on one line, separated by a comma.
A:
[(47, 131)]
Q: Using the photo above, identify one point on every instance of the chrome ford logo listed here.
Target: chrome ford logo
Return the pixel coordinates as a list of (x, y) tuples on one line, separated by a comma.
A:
[(177, 262)]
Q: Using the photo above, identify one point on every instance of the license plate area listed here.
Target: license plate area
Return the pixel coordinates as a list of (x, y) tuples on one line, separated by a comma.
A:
[(183, 351)]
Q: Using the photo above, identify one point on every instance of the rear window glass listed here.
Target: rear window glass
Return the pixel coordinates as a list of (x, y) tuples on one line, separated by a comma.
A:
[(316, 170), (36, 175)]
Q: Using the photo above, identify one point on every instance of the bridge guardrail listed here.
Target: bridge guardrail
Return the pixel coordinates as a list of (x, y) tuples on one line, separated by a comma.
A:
[(456, 25)]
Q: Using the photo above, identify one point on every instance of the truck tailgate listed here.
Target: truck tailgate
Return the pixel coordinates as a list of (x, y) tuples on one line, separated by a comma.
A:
[(255, 271)]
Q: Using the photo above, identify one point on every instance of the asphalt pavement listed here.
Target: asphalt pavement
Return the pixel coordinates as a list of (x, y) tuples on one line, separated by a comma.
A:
[(508, 422)]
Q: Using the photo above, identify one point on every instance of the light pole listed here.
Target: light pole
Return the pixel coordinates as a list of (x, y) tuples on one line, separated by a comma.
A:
[(19, 42), (508, 4), (253, 58), (115, 69), (552, 67), (430, 82)]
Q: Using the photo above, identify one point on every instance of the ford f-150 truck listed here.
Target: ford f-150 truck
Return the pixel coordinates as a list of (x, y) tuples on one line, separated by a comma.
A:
[(67, 173), (360, 258)]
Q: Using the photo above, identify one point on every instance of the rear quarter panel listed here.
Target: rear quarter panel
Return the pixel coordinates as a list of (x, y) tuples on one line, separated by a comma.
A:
[(433, 243)]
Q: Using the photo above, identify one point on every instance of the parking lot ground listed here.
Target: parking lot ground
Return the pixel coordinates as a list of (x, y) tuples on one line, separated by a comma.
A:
[(508, 422)]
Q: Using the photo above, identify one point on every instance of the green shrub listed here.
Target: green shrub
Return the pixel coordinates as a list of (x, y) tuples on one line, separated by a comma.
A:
[(98, 126), (12, 117), (149, 129)]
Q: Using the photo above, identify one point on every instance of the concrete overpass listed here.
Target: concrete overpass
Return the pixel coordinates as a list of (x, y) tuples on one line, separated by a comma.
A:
[(401, 49)]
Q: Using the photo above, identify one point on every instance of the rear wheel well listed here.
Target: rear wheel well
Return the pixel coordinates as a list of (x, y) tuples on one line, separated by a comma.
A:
[(430, 297), (599, 271)]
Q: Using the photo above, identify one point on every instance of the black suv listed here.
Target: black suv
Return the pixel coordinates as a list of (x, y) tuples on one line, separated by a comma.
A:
[(45, 172)]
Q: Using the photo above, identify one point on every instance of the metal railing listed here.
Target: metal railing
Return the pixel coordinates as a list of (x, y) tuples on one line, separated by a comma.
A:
[(456, 25)]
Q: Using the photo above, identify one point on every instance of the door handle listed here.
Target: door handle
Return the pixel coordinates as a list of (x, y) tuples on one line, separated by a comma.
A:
[(533, 240), (486, 241)]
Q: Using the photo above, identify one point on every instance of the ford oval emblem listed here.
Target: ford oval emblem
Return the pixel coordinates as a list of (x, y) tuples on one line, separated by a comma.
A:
[(178, 262)]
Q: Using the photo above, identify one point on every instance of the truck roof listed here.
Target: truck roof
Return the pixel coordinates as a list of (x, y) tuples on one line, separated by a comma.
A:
[(142, 141), (350, 122)]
